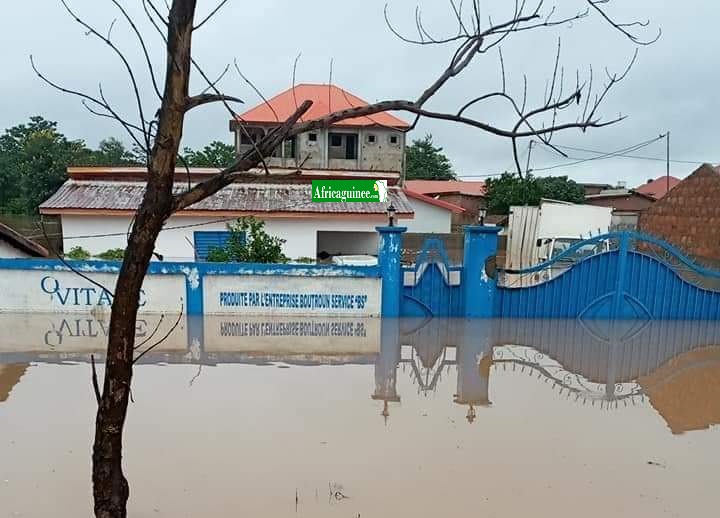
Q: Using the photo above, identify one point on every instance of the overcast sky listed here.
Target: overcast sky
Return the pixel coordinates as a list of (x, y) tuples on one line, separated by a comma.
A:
[(673, 86)]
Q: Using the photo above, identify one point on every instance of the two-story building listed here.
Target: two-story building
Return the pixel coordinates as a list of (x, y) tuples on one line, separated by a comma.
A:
[(96, 205), (372, 143)]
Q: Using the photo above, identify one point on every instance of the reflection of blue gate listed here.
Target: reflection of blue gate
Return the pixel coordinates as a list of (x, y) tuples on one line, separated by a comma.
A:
[(633, 276)]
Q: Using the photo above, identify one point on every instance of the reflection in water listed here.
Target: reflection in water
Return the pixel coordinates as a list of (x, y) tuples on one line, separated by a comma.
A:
[(561, 412), (9, 376), (674, 364)]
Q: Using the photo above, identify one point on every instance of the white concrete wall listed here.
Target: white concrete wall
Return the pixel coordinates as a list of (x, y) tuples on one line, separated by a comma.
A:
[(428, 218), (50, 291), (9, 251), (291, 295), (176, 244)]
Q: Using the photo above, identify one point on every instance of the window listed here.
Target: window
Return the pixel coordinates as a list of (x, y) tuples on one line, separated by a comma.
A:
[(288, 148), (250, 136), (343, 146), (371, 139), (289, 145), (312, 137), (393, 139), (207, 240)]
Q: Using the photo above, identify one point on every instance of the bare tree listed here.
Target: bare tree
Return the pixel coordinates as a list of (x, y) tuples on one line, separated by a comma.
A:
[(159, 137)]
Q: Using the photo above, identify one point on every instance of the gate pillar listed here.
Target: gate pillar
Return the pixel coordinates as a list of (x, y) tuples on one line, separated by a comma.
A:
[(478, 289), (389, 255)]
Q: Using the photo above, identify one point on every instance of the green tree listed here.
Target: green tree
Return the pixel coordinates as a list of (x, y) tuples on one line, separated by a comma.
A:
[(511, 189), (33, 162), (249, 243), (425, 161), (112, 151), (215, 154)]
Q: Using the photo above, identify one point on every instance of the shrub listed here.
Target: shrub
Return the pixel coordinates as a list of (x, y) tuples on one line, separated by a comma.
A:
[(305, 260), (78, 253), (249, 243), (114, 254)]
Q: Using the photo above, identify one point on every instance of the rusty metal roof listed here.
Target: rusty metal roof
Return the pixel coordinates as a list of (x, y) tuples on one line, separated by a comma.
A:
[(103, 196)]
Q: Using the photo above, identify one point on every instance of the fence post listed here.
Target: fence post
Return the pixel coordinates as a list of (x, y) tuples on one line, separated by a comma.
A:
[(478, 290), (619, 296), (389, 254)]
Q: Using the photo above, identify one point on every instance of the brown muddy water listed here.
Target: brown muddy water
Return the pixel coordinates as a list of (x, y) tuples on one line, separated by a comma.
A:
[(310, 418)]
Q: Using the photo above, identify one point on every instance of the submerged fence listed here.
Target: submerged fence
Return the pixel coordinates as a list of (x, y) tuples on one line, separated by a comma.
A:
[(619, 275)]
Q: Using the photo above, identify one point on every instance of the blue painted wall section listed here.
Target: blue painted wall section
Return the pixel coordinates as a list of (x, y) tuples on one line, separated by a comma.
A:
[(389, 256), (478, 289)]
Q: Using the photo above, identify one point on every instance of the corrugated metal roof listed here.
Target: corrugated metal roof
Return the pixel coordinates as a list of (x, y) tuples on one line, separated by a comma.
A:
[(326, 99), (253, 198)]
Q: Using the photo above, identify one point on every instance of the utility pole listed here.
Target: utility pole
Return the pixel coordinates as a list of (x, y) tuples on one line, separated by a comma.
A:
[(667, 162)]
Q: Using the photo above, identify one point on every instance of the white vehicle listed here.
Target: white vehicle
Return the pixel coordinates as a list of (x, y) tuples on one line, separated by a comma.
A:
[(538, 234), (355, 260)]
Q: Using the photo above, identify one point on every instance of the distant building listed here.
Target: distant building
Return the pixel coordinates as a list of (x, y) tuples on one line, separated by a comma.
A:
[(96, 207), (468, 195), (627, 205), (658, 187), (370, 143), (594, 188), (15, 245), (689, 215)]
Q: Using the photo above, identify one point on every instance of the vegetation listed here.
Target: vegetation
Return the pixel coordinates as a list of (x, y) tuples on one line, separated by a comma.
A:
[(78, 253), (114, 254), (425, 161), (305, 260), (215, 154), (249, 243), (511, 189), (34, 158)]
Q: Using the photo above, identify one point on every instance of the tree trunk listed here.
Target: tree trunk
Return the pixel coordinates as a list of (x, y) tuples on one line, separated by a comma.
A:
[(110, 487)]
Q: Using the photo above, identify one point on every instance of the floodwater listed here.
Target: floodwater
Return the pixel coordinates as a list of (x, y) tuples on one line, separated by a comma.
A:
[(346, 418)]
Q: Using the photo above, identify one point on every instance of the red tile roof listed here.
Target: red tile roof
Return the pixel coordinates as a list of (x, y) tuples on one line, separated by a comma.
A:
[(326, 99), (659, 187), (432, 201), (429, 187)]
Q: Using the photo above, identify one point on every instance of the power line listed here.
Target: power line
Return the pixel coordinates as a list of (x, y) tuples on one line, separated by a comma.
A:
[(640, 157), (621, 153)]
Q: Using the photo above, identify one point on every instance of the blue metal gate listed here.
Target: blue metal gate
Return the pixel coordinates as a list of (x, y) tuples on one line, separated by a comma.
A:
[(619, 275), (431, 287)]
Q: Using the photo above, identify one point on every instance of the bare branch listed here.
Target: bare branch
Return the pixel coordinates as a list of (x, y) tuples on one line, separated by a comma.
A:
[(202, 99), (126, 64), (95, 384), (622, 27), (141, 40), (212, 13)]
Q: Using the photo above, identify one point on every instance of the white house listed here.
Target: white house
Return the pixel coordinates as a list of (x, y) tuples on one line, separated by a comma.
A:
[(14, 245), (96, 207)]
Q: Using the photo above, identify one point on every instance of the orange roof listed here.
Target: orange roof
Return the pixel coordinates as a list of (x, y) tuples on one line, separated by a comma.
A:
[(429, 187), (658, 187), (457, 209), (326, 99)]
